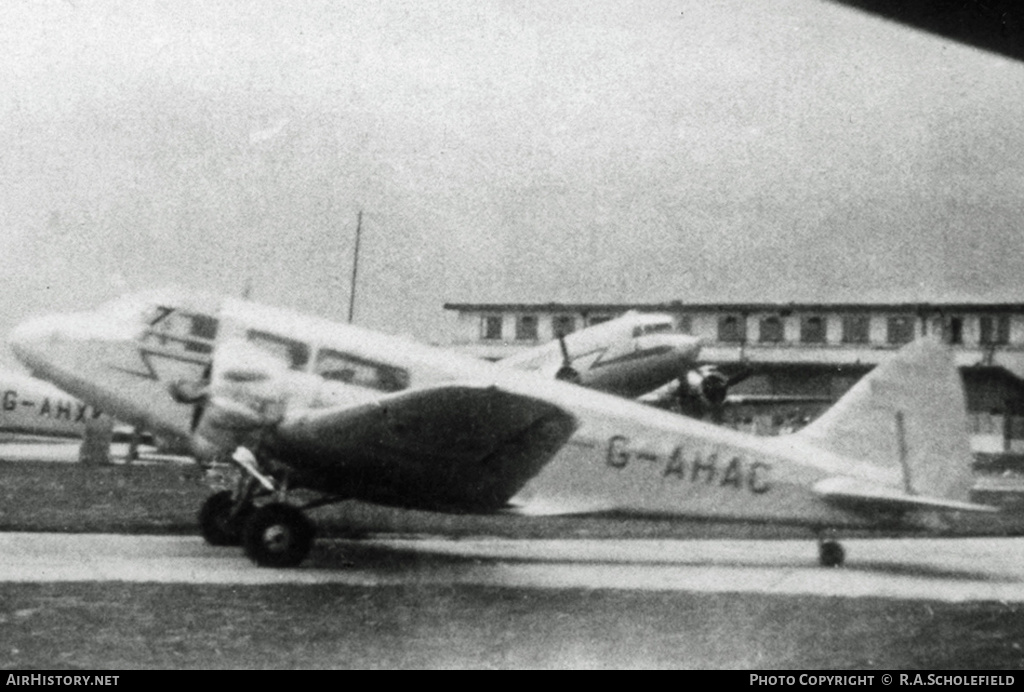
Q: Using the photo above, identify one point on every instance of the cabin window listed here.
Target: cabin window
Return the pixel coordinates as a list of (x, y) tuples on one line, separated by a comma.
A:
[(731, 329), (900, 329), (685, 324), (343, 367), (294, 353), (526, 328), (490, 327), (856, 329), (563, 324), (995, 330), (771, 330), (812, 329)]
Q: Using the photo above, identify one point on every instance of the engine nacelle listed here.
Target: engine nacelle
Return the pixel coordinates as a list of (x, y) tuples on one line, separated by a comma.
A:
[(708, 383)]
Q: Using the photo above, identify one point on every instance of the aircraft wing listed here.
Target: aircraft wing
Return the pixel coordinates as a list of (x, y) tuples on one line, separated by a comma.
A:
[(864, 496), (992, 25), (454, 447)]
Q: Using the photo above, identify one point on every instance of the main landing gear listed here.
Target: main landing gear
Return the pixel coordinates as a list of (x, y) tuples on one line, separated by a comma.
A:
[(275, 534), (221, 519)]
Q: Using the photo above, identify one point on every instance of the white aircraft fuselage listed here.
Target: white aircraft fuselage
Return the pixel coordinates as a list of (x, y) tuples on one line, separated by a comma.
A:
[(868, 465)]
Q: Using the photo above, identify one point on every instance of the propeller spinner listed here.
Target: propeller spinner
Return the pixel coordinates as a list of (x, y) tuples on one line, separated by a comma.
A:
[(705, 391)]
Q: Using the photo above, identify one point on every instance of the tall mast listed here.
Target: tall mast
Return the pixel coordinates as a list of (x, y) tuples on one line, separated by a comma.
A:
[(355, 268)]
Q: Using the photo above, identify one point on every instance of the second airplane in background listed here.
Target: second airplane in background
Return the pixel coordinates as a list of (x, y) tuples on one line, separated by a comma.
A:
[(627, 356)]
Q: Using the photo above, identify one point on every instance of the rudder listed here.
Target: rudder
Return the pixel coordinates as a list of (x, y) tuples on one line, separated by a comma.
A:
[(908, 414)]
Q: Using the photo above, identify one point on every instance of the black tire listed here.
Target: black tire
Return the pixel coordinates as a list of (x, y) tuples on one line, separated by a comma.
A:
[(277, 535), (831, 554), (216, 523)]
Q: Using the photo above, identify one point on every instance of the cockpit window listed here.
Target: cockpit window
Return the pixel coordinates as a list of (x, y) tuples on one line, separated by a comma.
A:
[(294, 353), (344, 367), (175, 329), (659, 328)]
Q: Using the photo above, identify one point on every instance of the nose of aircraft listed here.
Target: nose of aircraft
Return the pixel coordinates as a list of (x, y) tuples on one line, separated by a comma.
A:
[(684, 345), (30, 338), (691, 344)]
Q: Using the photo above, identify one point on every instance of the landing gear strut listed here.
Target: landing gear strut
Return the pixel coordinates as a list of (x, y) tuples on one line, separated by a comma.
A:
[(273, 535), (830, 553)]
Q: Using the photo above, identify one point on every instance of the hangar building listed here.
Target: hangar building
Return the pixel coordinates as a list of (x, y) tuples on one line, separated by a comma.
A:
[(806, 353)]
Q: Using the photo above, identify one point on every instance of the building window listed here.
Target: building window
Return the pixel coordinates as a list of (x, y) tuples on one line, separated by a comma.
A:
[(563, 324), (856, 329), (731, 329), (772, 330), (812, 330), (526, 328), (490, 327), (900, 329), (954, 328), (995, 330)]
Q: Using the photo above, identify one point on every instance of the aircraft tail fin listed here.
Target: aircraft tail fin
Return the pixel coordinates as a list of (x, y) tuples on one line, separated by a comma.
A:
[(907, 414)]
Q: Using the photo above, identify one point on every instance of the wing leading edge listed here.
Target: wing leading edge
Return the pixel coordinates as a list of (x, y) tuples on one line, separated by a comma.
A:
[(453, 447)]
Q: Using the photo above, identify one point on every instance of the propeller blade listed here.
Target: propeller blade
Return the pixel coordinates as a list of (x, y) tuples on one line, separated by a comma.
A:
[(704, 391), (566, 361), (566, 373)]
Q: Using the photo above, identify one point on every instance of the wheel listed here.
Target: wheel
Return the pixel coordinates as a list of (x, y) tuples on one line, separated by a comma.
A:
[(216, 523), (568, 374), (277, 535), (831, 554)]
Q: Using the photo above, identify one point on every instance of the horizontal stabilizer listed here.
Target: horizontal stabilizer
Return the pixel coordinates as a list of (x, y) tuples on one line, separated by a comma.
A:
[(568, 507), (862, 495)]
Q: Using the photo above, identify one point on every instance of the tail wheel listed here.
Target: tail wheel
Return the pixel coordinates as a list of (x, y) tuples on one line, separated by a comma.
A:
[(216, 522), (831, 554), (277, 535)]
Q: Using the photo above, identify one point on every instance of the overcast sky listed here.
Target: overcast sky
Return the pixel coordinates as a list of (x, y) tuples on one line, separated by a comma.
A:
[(501, 151)]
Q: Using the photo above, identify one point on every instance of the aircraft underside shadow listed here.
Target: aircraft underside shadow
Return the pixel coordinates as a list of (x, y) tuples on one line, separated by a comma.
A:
[(993, 25)]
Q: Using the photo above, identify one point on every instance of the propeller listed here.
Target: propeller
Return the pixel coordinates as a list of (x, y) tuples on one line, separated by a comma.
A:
[(566, 373), (196, 393), (241, 392), (704, 391)]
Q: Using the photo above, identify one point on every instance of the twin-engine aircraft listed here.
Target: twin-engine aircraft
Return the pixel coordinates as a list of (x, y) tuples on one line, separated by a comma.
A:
[(301, 402), (628, 356), (636, 356)]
